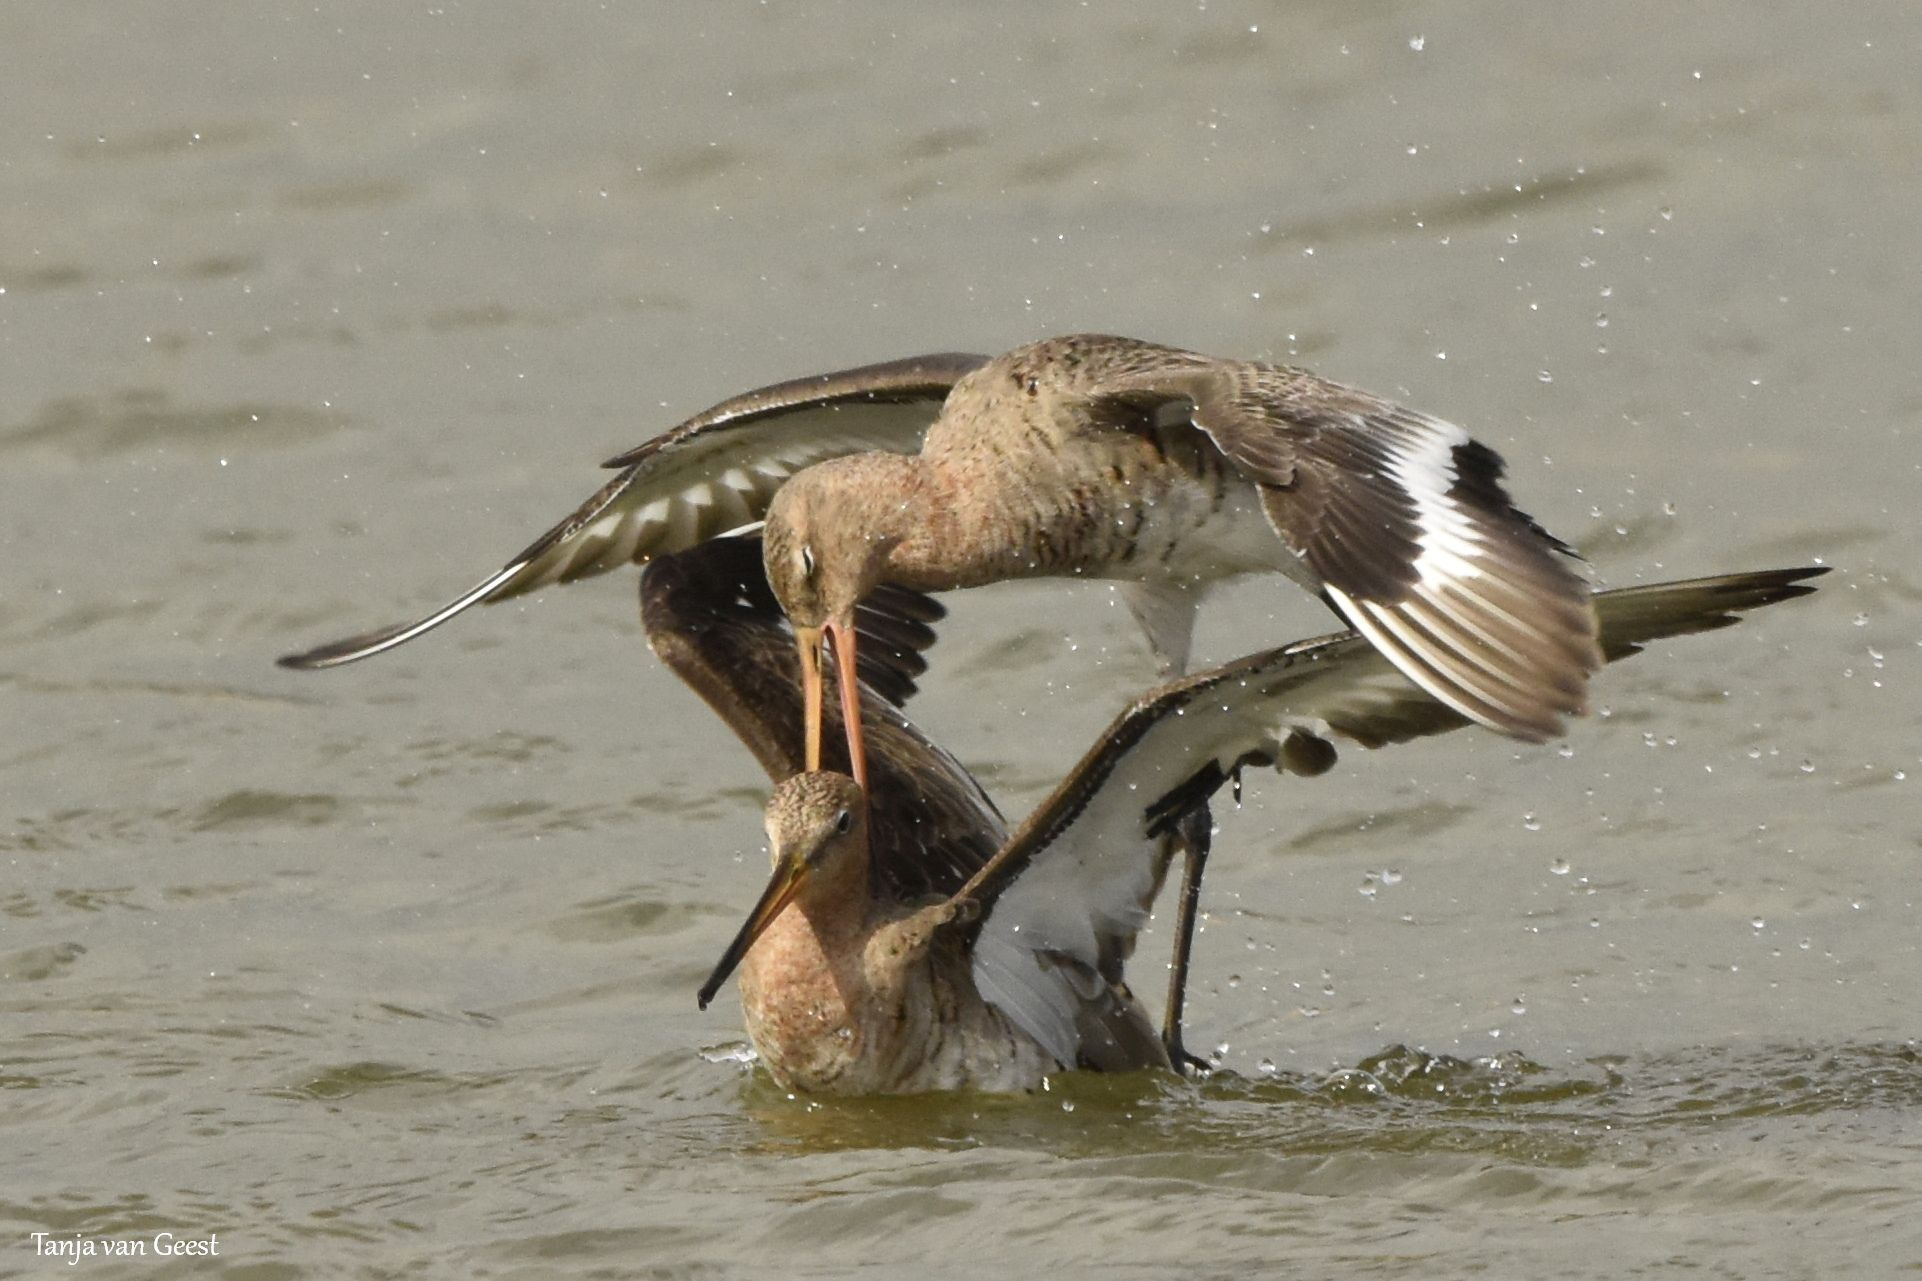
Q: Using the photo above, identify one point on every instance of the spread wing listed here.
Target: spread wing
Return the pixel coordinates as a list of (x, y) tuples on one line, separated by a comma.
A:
[(1402, 521), (713, 620), (1077, 879), (715, 472)]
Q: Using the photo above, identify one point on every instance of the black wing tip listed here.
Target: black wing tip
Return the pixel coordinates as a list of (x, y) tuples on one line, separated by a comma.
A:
[(1759, 587), (1794, 580), (339, 653), (1721, 600)]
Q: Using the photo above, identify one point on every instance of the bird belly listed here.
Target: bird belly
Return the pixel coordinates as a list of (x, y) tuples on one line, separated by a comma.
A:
[(832, 1019), (958, 1041), (1199, 531)]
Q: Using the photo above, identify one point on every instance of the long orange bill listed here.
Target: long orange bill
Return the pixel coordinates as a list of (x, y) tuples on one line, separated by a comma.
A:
[(809, 639), (842, 634), (781, 889)]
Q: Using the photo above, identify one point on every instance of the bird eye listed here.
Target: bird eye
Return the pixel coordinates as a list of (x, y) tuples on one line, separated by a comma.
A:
[(807, 561), (843, 822)]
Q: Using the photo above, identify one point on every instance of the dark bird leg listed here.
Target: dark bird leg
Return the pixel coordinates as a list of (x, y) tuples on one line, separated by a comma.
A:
[(1193, 835)]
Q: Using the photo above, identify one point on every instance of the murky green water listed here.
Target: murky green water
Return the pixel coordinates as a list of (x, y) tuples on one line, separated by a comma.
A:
[(311, 314)]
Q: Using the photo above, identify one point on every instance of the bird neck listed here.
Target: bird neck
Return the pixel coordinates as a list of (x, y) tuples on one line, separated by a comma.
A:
[(805, 984), (944, 532), (835, 901)]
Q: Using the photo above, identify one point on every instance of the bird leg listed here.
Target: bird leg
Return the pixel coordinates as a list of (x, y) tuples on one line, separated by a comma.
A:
[(1193, 834)]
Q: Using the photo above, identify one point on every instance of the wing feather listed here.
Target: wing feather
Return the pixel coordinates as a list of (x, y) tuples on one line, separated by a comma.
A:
[(1081, 873), (714, 472), (1403, 520)]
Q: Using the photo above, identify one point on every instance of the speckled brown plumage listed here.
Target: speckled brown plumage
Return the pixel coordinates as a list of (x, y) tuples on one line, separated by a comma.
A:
[(1101, 456)]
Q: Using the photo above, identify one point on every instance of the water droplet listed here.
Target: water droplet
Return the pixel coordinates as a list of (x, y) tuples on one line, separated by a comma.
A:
[(1542, 375), (1520, 1006), (1601, 320), (1668, 215), (1234, 980), (1417, 43), (1389, 876), (1266, 1067), (1067, 1105), (1531, 823), (1807, 766), (1756, 923), (1559, 867)]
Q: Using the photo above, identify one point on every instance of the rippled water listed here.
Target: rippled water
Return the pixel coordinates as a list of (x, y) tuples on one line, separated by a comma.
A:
[(312, 314)]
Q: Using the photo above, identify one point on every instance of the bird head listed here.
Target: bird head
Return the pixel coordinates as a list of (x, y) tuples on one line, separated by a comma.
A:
[(817, 837)]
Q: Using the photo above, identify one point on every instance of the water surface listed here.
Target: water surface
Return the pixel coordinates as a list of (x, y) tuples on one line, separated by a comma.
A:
[(313, 314)]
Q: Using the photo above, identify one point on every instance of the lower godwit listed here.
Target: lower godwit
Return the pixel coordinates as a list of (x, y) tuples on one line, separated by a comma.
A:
[(912, 943)]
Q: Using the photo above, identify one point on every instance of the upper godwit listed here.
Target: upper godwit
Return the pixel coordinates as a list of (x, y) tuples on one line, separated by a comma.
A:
[(1114, 458), (911, 943), (1105, 457)]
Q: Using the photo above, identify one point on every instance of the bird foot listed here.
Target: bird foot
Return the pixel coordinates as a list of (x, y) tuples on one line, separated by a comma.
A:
[(1187, 1064)]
